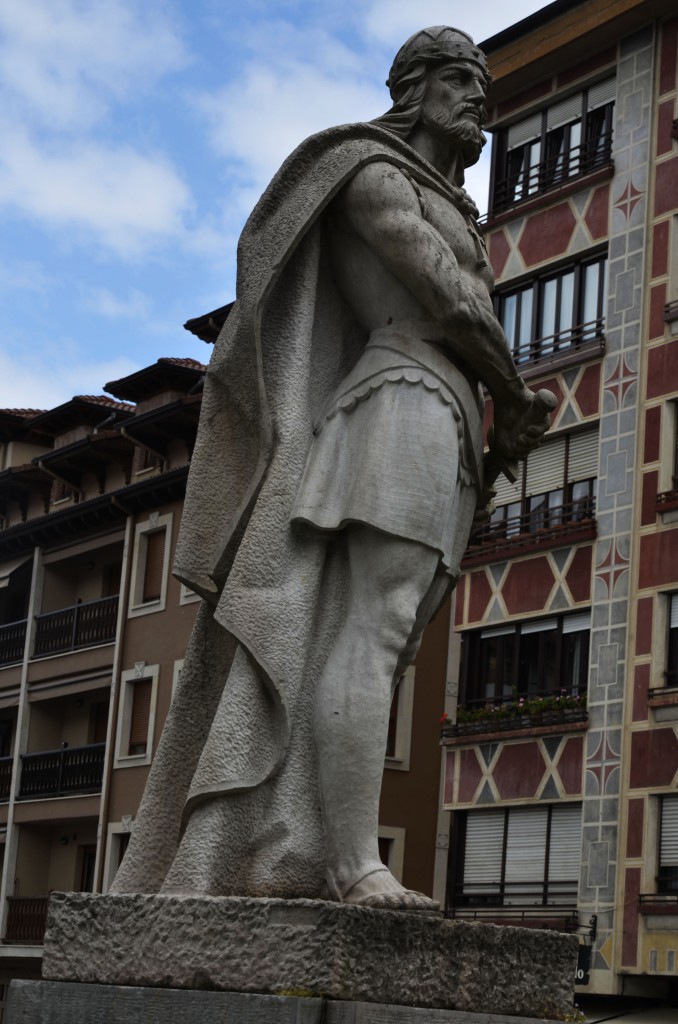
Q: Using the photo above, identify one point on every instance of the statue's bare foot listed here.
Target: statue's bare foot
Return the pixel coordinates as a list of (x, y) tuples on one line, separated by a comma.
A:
[(381, 891)]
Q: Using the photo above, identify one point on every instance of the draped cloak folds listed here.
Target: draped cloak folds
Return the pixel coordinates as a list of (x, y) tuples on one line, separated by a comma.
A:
[(274, 595)]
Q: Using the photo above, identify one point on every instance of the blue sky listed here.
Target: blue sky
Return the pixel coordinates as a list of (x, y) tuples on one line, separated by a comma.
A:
[(135, 137)]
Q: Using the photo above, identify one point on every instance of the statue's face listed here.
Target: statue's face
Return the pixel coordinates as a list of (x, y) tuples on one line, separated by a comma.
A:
[(454, 97)]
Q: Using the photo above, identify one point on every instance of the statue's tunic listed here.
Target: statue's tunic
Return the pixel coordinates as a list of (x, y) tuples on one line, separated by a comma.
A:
[(397, 441), (231, 805)]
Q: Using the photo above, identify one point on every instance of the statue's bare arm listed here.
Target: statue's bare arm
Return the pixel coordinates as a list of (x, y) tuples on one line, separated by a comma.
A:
[(381, 206)]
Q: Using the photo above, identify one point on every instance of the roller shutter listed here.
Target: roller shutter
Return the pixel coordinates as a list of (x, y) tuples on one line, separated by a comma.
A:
[(582, 463)]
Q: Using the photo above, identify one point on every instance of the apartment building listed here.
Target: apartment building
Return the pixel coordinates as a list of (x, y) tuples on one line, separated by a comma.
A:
[(93, 630), (562, 743)]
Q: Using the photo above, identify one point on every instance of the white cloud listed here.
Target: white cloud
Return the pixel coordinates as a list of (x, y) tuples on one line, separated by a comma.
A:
[(124, 199), (134, 306), (25, 275), (21, 386), (62, 61), (297, 82)]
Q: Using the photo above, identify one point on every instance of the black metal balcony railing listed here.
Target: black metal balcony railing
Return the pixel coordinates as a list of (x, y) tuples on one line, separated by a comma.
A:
[(12, 642), (572, 339), (62, 772), (82, 625), (517, 902), (554, 173), (5, 777), (540, 524), (26, 919)]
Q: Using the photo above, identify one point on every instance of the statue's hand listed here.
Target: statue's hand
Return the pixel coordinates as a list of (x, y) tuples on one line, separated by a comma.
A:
[(519, 426)]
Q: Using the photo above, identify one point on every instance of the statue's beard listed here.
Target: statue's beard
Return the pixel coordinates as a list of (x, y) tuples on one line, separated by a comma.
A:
[(462, 135)]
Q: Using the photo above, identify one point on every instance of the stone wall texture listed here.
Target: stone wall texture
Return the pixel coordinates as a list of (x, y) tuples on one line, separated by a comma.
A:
[(308, 948)]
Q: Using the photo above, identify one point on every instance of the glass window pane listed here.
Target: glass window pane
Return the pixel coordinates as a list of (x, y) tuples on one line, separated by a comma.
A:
[(525, 326), (566, 316), (533, 172), (547, 322), (508, 318), (575, 147)]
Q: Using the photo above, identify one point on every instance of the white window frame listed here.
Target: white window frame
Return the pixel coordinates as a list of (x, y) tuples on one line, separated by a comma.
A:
[(188, 596), (154, 524), (127, 680), (396, 853), (400, 760), (115, 830)]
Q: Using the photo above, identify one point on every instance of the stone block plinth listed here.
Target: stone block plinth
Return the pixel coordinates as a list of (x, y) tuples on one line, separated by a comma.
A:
[(308, 948)]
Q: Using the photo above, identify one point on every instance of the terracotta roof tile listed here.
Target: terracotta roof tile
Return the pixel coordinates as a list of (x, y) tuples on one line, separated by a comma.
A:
[(192, 364)]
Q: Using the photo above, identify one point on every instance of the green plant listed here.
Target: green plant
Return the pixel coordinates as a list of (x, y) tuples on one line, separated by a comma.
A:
[(518, 707)]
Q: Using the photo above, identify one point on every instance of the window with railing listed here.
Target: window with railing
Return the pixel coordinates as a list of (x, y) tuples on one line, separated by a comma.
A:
[(557, 145), (555, 314), (518, 858), (672, 652), (667, 871), (545, 658), (553, 497)]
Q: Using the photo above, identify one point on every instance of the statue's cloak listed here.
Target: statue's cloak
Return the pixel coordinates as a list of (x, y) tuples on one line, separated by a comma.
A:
[(274, 594)]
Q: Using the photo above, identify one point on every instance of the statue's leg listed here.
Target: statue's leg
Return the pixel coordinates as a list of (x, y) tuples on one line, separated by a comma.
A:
[(392, 581)]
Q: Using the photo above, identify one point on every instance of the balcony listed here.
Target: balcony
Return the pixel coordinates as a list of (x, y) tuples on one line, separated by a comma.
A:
[(554, 174), (82, 625), (541, 528), (12, 641), (573, 345), (534, 714), (26, 920), (538, 904), (5, 777), (62, 772)]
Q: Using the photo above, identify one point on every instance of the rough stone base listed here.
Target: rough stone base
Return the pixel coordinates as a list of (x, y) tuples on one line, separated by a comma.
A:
[(308, 948), (58, 1002)]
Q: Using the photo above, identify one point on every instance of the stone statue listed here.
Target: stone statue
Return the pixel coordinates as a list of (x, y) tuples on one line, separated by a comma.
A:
[(335, 479)]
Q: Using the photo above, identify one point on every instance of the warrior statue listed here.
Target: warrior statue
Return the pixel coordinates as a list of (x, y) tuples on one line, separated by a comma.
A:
[(335, 479)]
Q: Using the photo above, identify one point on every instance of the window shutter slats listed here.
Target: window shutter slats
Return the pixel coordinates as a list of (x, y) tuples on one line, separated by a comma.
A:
[(583, 457), (506, 491), (483, 850), (565, 844), (563, 113), (526, 844), (602, 93), (524, 131), (155, 561), (577, 623), (546, 468), (540, 626), (140, 716), (673, 622), (668, 851)]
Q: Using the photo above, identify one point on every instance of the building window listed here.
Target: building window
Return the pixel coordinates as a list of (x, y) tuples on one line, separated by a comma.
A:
[(150, 564), (392, 849), (556, 313), (667, 878), (519, 856), (672, 659), (550, 148), (555, 487), (136, 715), (536, 658), (400, 723)]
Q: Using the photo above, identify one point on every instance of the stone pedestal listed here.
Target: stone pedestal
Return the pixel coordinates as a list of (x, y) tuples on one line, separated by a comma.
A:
[(59, 1002), (307, 948)]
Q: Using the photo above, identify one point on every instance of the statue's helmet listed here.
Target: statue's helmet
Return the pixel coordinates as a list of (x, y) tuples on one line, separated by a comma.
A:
[(434, 45)]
